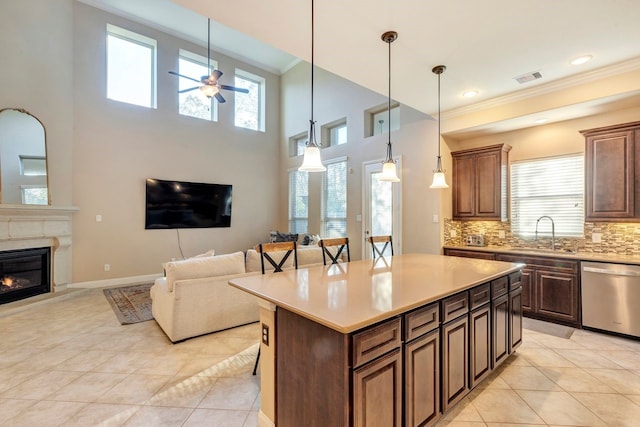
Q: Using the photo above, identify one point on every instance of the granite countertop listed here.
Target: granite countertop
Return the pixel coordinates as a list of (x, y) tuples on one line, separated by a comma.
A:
[(578, 256), (350, 296)]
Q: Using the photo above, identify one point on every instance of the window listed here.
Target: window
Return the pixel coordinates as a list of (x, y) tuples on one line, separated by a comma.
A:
[(298, 201), (131, 67), (194, 103), (550, 186), (377, 120), (334, 199), (34, 195), (33, 166), (250, 106), (297, 144), (335, 133)]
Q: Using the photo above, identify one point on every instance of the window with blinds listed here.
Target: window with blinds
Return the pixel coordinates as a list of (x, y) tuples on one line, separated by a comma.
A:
[(334, 199), (298, 201), (550, 186)]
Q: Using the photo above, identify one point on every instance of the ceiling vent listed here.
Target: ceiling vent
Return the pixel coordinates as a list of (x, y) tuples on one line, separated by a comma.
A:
[(528, 77)]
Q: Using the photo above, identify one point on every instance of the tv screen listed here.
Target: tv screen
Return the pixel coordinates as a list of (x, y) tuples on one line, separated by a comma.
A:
[(178, 204)]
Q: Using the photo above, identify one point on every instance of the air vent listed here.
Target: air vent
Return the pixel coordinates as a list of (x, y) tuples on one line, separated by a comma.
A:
[(528, 77)]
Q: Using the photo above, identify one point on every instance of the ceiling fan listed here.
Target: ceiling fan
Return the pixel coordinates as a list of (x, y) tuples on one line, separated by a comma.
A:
[(210, 86)]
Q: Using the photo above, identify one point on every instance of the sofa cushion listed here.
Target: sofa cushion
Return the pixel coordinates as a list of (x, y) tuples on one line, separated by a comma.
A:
[(310, 255), (253, 261), (207, 266)]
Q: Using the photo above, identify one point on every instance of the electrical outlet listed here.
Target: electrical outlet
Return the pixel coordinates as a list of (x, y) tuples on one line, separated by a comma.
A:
[(453, 233), (98, 218), (107, 267), (265, 334), (435, 218), (596, 237), (501, 234)]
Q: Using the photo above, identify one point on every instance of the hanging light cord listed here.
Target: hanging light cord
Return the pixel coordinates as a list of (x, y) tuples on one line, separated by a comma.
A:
[(439, 166), (389, 155), (312, 130)]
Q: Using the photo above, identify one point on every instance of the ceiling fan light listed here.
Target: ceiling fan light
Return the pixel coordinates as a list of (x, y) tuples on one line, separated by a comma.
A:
[(311, 161), (389, 173), (209, 90)]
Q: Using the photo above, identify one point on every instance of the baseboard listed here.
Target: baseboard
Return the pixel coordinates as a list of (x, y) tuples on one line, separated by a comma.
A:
[(121, 281), (264, 421)]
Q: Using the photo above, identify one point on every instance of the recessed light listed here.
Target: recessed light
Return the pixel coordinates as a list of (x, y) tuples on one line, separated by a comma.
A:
[(470, 93), (581, 60), (540, 121)]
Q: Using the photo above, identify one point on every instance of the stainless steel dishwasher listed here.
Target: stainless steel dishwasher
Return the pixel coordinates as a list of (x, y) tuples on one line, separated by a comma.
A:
[(611, 297)]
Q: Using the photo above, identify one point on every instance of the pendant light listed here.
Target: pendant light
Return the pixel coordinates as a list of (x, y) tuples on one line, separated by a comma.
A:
[(311, 161), (389, 173), (439, 180)]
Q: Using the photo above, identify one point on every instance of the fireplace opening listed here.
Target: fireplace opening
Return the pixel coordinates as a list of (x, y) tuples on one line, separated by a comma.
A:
[(24, 273)]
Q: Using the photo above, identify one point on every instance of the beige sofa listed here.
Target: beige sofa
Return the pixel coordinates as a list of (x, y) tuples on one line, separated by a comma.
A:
[(194, 297)]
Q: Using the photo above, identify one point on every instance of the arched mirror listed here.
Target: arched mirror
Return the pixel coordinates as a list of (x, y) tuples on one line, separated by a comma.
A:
[(23, 159)]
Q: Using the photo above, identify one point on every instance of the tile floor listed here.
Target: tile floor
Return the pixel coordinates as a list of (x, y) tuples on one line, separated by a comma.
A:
[(68, 362)]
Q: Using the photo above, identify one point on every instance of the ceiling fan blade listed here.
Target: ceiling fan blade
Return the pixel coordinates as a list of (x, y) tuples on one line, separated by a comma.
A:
[(216, 74), (220, 98), (184, 77), (237, 89), (188, 90)]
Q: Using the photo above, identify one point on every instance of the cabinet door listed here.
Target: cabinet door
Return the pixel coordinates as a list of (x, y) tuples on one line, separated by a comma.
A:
[(488, 181), (422, 380), (500, 322), (557, 296), (377, 392), (609, 191), (528, 275), (464, 200), (515, 318), (455, 361), (479, 344)]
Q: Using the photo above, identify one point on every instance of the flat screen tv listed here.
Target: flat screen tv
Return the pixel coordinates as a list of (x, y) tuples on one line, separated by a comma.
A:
[(178, 204)]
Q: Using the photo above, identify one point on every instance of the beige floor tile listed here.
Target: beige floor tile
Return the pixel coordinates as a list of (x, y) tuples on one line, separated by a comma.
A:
[(46, 413), (514, 425), (584, 358), (10, 377), (634, 397), (448, 423), (625, 359), (85, 361), (463, 411), (621, 380), (504, 406), (158, 417), (102, 414), (183, 391), (517, 359), (615, 409), (252, 419), (134, 389), (527, 378), (560, 408), (595, 341), (232, 394), (576, 379), (10, 408), (88, 387), (123, 363), (545, 357), (41, 385), (216, 418), (553, 342)]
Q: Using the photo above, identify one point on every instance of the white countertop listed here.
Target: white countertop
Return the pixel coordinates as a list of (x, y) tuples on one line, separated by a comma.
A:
[(349, 296), (578, 256)]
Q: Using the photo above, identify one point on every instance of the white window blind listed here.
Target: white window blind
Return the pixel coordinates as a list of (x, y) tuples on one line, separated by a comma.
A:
[(549, 186), (298, 201), (334, 199)]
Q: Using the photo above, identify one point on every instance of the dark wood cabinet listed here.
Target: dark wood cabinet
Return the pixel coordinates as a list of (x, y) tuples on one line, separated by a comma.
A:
[(479, 344), (500, 328), (480, 183), (422, 380), (515, 318), (612, 173), (455, 361), (550, 288), (469, 253)]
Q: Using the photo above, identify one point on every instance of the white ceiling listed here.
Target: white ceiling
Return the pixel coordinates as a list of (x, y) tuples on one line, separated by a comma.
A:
[(484, 44)]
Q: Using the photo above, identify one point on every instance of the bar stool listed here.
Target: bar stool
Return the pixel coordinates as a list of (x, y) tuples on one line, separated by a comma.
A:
[(374, 240), (340, 242)]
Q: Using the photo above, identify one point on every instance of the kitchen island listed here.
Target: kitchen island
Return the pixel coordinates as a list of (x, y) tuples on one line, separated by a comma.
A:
[(396, 341)]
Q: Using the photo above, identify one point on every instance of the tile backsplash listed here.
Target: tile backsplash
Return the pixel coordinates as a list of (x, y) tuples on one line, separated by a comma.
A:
[(619, 238)]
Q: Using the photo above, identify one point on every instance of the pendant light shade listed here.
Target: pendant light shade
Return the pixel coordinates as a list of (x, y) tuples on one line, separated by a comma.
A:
[(311, 161), (439, 180), (389, 172)]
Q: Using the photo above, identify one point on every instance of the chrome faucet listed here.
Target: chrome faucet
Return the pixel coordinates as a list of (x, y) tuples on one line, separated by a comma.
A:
[(553, 231)]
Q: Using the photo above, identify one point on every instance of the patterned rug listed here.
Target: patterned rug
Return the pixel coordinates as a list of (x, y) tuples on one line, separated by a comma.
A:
[(131, 304)]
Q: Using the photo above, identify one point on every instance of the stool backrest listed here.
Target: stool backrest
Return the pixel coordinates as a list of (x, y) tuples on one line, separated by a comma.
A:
[(264, 249), (377, 252), (341, 243)]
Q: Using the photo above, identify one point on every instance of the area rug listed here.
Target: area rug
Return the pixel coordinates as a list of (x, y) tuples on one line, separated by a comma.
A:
[(548, 328), (131, 304)]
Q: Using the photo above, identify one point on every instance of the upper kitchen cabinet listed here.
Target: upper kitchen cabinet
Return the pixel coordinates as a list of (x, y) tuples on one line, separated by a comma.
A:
[(612, 173), (480, 179)]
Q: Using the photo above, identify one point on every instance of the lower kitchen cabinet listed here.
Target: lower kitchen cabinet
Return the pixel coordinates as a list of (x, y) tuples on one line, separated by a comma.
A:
[(500, 318), (455, 361), (480, 344), (515, 317), (422, 380)]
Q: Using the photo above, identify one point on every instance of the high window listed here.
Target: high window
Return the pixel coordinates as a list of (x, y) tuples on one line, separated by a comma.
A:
[(377, 120), (131, 67), (550, 186), (194, 103), (334, 199), (335, 133), (298, 201), (297, 144), (249, 107)]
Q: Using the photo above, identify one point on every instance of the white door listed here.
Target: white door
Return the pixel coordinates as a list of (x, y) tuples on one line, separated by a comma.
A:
[(382, 206)]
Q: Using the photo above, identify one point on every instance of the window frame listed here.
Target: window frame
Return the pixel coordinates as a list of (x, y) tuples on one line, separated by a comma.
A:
[(292, 199), (262, 83), (324, 217), (194, 58), (140, 40)]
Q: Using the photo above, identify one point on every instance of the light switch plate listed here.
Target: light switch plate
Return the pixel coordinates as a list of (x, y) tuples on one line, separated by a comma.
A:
[(596, 237)]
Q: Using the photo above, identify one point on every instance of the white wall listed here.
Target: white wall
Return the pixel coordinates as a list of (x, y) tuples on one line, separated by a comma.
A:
[(116, 146), (336, 98)]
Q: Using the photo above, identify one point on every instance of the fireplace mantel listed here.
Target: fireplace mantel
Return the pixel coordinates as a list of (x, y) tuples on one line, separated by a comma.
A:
[(32, 226)]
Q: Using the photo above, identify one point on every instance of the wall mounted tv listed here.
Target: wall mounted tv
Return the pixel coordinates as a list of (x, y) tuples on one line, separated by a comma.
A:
[(178, 204)]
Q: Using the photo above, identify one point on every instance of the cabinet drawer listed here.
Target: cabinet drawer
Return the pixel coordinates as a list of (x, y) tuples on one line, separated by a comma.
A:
[(499, 286), (421, 321), (375, 342), (479, 295), (455, 306), (515, 280)]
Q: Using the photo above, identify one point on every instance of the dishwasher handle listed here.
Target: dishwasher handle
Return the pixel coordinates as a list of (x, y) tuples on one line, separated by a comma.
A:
[(630, 273)]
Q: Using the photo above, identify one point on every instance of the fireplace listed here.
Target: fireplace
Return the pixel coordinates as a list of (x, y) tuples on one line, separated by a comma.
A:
[(24, 273)]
